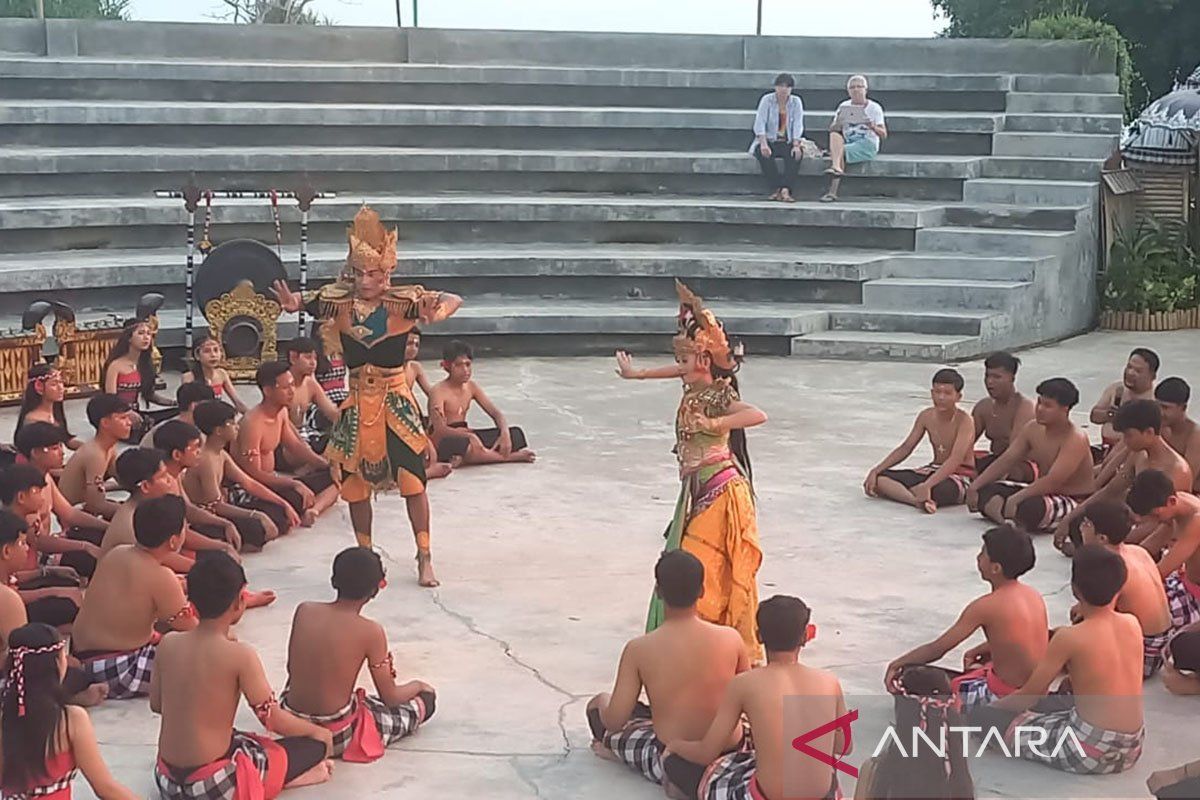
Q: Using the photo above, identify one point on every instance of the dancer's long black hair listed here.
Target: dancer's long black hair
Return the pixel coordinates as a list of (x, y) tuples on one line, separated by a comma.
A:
[(145, 362), (924, 774), (737, 437), (32, 399), (29, 740)]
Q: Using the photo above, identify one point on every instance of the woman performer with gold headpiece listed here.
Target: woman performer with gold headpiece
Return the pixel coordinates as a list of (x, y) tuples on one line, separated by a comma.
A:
[(379, 441), (714, 516)]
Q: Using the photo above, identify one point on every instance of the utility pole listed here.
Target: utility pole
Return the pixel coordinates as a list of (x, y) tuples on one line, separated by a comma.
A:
[(40, 6), (758, 27), (399, 17), (416, 21)]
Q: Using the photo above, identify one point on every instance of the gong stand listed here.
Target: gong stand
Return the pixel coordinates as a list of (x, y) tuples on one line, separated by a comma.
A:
[(192, 195)]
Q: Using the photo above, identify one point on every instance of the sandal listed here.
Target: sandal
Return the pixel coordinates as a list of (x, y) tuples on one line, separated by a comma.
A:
[(829, 198)]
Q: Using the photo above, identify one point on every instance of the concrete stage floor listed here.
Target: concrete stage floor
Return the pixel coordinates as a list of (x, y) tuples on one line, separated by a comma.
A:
[(546, 570)]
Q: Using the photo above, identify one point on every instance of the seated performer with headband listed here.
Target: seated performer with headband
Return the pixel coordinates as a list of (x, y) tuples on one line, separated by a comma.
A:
[(714, 518), (207, 355), (1002, 414), (944, 481), (1107, 524), (450, 402), (45, 739), (1102, 657), (84, 477), (1060, 451), (329, 644), (261, 515), (266, 428), (760, 695), (114, 637), (199, 680), (43, 402), (684, 666), (378, 441), (1012, 616)]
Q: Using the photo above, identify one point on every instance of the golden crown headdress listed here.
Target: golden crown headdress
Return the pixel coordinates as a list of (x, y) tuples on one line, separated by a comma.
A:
[(701, 332), (372, 245)]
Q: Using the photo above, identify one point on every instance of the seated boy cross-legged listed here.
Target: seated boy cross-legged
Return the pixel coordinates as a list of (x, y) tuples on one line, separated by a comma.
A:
[(329, 644), (951, 434), (1101, 730), (1012, 616), (684, 665), (199, 680), (761, 695), (133, 590)]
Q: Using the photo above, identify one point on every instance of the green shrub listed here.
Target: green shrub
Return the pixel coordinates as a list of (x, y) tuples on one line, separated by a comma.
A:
[(1151, 268), (68, 9), (1076, 25)]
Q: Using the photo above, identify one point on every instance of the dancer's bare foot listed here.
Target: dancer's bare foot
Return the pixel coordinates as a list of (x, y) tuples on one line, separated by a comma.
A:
[(929, 507), (523, 456), (94, 695), (321, 773), (260, 599), (439, 469), (425, 576)]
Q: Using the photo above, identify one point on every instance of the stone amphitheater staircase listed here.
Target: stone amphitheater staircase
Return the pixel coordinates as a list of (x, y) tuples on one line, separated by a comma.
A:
[(561, 181)]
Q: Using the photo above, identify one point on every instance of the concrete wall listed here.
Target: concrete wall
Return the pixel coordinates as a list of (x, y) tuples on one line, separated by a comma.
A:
[(215, 41)]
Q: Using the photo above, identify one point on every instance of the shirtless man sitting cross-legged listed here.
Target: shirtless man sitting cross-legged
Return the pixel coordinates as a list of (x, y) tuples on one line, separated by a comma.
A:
[(200, 678), (215, 469), (1002, 414), (133, 591), (772, 769), (1060, 450), (267, 426), (943, 482), (1142, 447), (1102, 656), (329, 644), (449, 403), (1107, 524), (1137, 383), (684, 665), (1180, 430), (1154, 498), (83, 478), (312, 412), (1012, 616)]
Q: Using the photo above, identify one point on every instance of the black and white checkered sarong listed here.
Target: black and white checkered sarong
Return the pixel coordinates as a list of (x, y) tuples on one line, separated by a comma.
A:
[(1185, 608), (126, 674), (219, 784), (1153, 650), (393, 723), (637, 746), (63, 784), (1103, 752)]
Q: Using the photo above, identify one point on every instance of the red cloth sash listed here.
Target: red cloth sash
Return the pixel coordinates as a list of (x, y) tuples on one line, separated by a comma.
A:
[(997, 686), (251, 785)]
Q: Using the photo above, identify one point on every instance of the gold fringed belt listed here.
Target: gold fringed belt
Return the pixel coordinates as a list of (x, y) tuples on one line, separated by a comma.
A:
[(370, 379)]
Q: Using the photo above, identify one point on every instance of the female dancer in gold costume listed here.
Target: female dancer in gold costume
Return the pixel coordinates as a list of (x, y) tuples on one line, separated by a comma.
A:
[(714, 517), (379, 441)]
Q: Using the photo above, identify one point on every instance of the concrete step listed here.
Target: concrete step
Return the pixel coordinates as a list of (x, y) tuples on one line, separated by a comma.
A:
[(1098, 83), (40, 171), (149, 123), (1064, 103), (901, 293), (1052, 168), (1067, 145), (915, 319), (43, 224), (308, 82), (1029, 192), (104, 279), (964, 267), (1018, 217), (1064, 123), (890, 346), (995, 242)]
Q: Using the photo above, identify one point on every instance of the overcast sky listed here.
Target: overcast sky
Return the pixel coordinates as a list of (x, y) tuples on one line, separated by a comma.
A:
[(781, 17)]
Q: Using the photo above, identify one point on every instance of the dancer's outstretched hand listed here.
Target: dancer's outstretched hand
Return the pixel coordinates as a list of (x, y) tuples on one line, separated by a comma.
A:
[(625, 365), (288, 300)]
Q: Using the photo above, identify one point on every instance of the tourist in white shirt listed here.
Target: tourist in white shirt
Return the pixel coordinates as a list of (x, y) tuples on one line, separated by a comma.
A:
[(855, 133), (778, 129)]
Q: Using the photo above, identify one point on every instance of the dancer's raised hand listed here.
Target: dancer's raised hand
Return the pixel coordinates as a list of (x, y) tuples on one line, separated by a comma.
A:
[(288, 300)]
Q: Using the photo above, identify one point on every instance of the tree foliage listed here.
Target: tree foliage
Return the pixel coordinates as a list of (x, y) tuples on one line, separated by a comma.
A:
[(67, 9), (273, 12), (1162, 34)]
